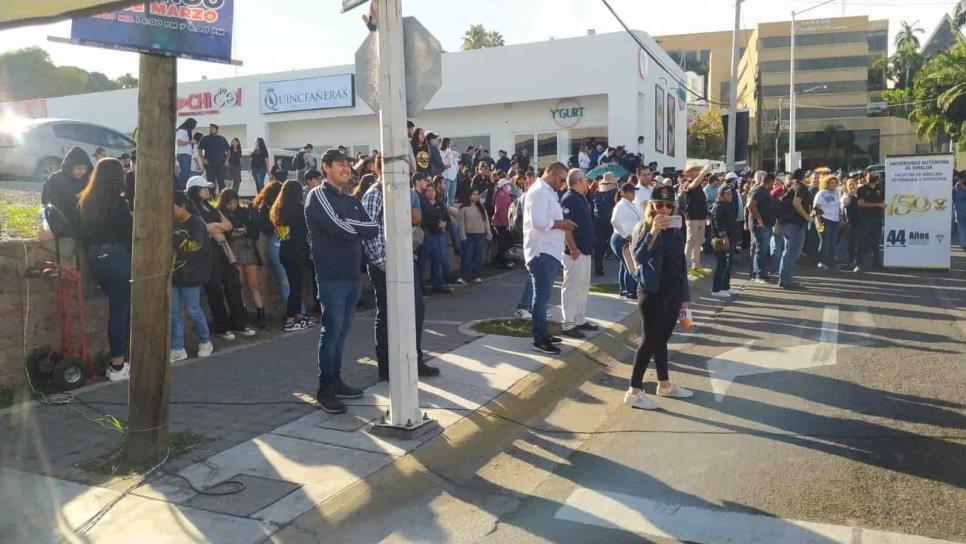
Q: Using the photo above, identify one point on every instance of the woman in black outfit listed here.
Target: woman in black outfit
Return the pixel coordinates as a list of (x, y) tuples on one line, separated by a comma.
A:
[(234, 163), (243, 242), (436, 221), (259, 163), (725, 227), (224, 284), (105, 234), (662, 293), (421, 151), (288, 217)]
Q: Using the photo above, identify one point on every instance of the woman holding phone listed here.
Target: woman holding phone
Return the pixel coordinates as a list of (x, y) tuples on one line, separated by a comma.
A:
[(662, 293)]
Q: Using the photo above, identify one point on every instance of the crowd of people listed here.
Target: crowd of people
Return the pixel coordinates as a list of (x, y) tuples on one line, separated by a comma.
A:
[(322, 230)]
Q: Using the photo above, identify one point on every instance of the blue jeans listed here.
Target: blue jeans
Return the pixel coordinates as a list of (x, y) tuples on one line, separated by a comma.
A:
[(339, 299), (828, 239), (274, 247), (111, 267), (526, 300), (543, 269), (258, 174), (722, 271), (190, 299), (777, 248), (184, 165), (794, 235), (474, 251), (627, 282), (961, 229), (438, 257), (449, 197), (762, 246)]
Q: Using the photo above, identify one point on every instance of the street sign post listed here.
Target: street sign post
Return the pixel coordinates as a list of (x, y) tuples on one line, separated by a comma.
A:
[(423, 67)]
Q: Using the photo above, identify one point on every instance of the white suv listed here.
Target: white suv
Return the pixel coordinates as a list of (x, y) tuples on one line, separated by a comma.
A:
[(35, 148)]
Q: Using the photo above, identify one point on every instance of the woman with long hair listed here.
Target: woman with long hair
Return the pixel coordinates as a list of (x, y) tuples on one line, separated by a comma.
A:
[(224, 285), (436, 221), (260, 163), (662, 293), (288, 217), (184, 149), (421, 151), (724, 236), (261, 220), (243, 244), (190, 272), (474, 233), (234, 163), (105, 233), (623, 219), (828, 216), (501, 223)]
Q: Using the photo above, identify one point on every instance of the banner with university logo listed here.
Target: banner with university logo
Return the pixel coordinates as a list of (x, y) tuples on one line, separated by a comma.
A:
[(918, 198)]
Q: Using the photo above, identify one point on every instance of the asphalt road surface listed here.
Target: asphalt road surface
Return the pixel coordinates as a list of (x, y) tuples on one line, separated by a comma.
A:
[(834, 415)]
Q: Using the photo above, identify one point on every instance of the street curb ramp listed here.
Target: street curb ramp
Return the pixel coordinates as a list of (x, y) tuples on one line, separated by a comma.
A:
[(453, 457)]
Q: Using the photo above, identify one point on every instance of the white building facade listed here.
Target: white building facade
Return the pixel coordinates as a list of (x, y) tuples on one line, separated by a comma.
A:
[(548, 97)]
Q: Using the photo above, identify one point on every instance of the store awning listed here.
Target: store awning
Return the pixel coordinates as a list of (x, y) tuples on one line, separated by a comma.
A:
[(22, 13)]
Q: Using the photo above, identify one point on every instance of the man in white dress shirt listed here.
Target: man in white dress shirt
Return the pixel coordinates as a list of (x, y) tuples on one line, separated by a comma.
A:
[(645, 186), (544, 233)]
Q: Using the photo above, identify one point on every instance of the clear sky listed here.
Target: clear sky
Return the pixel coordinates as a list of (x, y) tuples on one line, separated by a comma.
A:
[(278, 35)]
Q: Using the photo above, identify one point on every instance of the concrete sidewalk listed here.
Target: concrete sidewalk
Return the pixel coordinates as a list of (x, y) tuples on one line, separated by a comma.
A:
[(289, 456)]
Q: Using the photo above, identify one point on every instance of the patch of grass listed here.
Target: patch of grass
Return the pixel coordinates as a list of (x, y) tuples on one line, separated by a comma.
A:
[(18, 220), (520, 328), (606, 288), (113, 463)]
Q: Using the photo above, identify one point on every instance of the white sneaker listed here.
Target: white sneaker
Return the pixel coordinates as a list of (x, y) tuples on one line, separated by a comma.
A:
[(461, 281), (721, 294), (674, 391), (227, 335), (822, 265), (119, 375), (477, 280), (728, 292), (524, 313), (205, 349), (643, 402), (245, 331), (178, 355)]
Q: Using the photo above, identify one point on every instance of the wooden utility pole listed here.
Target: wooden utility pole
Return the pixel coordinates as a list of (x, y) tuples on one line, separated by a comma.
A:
[(149, 390)]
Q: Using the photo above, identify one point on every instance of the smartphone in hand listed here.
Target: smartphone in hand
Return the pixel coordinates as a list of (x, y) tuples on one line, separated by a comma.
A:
[(674, 222)]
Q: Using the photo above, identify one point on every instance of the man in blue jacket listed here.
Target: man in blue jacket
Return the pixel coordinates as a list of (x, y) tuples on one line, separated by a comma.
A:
[(337, 224)]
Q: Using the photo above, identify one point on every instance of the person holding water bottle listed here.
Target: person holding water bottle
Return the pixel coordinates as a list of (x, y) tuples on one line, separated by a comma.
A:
[(662, 294)]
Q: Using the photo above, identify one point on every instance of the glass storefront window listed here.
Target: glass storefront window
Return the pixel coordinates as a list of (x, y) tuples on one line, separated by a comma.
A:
[(835, 147), (460, 143), (546, 149), (590, 136)]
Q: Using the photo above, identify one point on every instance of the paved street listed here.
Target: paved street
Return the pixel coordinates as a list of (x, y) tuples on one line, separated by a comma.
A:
[(833, 415)]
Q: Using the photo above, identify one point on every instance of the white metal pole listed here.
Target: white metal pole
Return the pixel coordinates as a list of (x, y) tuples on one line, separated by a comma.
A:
[(792, 164), (403, 378), (733, 91), (778, 134)]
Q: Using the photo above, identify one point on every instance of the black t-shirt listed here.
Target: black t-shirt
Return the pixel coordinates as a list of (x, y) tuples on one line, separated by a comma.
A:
[(117, 229), (214, 147), (766, 205), (871, 194), (697, 204), (258, 159), (801, 191), (421, 153)]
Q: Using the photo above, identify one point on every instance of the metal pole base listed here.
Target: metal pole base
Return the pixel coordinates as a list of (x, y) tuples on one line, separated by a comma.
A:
[(412, 431)]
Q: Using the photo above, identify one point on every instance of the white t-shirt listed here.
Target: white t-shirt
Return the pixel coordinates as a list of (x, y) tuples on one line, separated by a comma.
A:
[(453, 158), (583, 161), (642, 194), (182, 135), (828, 202)]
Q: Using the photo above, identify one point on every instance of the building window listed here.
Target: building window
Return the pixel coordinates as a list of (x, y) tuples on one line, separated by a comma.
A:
[(878, 41), (834, 147), (805, 112), (805, 40), (589, 136), (833, 87), (824, 63), (460, 143)]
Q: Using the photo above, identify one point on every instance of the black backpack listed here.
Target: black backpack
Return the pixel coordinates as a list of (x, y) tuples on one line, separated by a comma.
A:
[(299, 161)]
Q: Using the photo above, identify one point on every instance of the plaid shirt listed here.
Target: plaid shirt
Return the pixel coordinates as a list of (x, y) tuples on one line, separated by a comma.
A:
[(375, 248)]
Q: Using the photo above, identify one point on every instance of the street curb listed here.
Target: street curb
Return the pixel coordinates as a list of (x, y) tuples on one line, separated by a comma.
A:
[(461, 450)]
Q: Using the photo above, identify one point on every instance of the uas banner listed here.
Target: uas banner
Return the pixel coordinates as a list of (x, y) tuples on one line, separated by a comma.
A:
[(163, 27), (918, 212)]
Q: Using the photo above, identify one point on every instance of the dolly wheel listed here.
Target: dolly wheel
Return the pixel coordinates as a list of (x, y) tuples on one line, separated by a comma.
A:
[(69, 374), (40, 361)]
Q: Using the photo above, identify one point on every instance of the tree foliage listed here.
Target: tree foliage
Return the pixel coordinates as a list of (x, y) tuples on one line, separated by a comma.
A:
[(706, 136), (29, 73), (959, 15), (907, 34), (478, 37), (939, 96)]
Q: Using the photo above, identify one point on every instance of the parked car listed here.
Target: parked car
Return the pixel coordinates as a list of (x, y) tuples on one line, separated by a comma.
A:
[(35, 148), (247, 189)]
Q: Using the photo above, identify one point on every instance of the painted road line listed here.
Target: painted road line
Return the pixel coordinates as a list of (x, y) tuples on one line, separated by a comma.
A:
[(654, 519), (748, 360)]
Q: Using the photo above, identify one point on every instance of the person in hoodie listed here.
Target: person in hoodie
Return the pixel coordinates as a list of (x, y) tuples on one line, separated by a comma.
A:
[(338, 224), (61, 191)]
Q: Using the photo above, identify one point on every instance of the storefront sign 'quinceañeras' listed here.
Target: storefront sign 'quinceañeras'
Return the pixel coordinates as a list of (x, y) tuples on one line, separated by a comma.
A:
[(918, 211), (199, 29), (314, 93)]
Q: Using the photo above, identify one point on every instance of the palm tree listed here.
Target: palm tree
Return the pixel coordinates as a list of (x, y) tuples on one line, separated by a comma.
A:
[(907, 34), (477, 37), (959, 15)]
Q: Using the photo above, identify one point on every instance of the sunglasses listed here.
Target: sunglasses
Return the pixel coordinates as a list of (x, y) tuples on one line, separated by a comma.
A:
[(658, 205)]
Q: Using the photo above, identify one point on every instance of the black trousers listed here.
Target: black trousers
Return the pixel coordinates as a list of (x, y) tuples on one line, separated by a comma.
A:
[(504, 241), (602, 233), (378, 279), (216, 174), (659, 315), (869, 237), (223, 286), (293, 271)]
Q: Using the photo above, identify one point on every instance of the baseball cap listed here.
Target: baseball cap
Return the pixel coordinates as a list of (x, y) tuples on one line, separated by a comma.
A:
[(198, 181), (731, 175), (419, 176), (335, 154)]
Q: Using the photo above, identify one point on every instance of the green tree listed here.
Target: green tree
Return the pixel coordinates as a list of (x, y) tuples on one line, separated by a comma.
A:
[(939, 96), (959, 15), (127, 81), (477, 37), (907, 34), (706, 136), (900, 69), (29, 73)]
